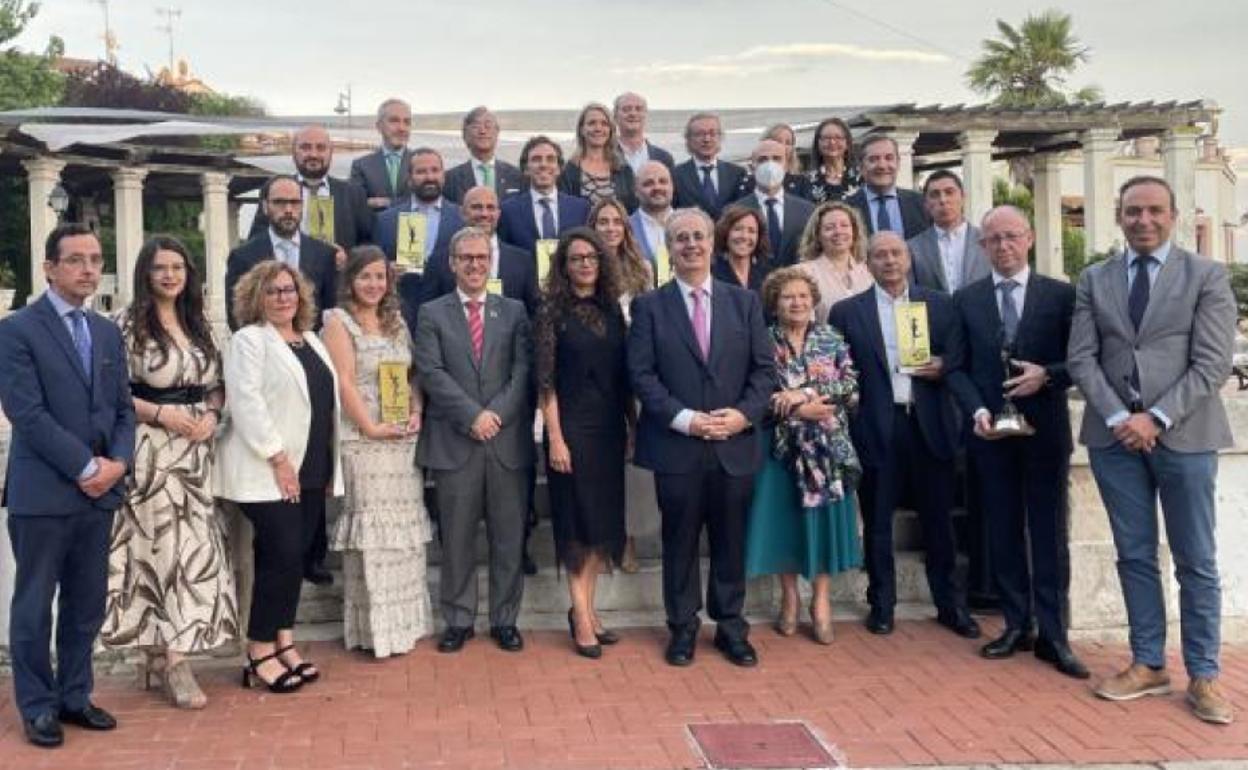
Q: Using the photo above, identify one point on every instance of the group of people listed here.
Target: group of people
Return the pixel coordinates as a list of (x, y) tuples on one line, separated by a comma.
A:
[(740, 339)]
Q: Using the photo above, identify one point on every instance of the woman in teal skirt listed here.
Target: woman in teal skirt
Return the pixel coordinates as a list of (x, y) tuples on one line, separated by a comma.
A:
[(803, 520)]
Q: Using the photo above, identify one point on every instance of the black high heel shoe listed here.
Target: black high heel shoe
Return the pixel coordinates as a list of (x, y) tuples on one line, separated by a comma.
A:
[(593, 651), (289, 681), (305, 670)]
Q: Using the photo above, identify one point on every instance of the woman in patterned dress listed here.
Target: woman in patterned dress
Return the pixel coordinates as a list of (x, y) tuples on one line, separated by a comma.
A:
[(170, 585), (597, 169), (384, 527), (831, 176)]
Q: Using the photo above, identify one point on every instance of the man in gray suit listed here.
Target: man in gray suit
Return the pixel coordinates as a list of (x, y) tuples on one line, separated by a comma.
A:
[(383, 173), (474, 357), (947, 255), (1150, 348), (786, 214), (483, 168)]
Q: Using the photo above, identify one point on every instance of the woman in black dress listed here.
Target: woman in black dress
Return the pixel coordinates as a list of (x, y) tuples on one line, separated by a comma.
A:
[(584, 397)]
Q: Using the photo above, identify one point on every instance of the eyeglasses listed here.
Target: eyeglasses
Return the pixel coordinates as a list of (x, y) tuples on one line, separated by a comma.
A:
[(999, 238), (281, 291), (583, 259), (473, 258), (79, 261), (711, 133), (690, 236)]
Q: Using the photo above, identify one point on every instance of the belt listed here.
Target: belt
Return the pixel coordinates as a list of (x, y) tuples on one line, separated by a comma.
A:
[(907, 408), (191, 394)]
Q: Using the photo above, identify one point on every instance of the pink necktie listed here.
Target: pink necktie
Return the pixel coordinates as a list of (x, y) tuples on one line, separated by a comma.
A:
[(701, 329), (476, 329)]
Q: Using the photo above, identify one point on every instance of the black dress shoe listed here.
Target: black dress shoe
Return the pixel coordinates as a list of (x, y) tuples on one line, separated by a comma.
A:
[(508, 638), (91, 717), (453, 638), (879, 621), (317, 575), (739, 652), (44, 731), (960, 622), (681, 646), (1012, 640), (527, 564), (1062, 658)]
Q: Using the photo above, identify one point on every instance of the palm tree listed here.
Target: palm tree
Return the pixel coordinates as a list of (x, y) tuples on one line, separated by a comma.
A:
[(1028, 66)]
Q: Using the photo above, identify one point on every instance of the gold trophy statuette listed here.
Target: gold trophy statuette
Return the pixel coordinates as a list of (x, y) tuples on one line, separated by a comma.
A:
[(1009, 421)]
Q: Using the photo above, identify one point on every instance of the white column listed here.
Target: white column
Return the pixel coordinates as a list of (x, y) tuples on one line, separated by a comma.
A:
[(232, 214), (216, 189), (128, 218), (1179, 152), (977, 172), (1099, 146), (905, 157), (1047, 198), (43, 174)]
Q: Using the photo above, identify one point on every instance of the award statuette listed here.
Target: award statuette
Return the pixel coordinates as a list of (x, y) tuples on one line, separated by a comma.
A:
[(914, 339), (663, 266), (395, 392), (409, 240), (321, 218), (545, 252), (1009, 421)]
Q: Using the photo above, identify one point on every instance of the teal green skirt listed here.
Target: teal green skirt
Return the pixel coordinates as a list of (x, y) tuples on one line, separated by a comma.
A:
[(785, 538)]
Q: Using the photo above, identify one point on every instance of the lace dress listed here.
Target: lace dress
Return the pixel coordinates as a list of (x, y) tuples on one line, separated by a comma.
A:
[(384, 527)]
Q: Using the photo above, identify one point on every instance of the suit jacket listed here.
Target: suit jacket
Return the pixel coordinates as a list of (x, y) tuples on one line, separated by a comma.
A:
[(368, 172), (62, 417), (797, 212), (316, 263), (928, 269), (386, 227), (269, 412), (871, 426), (661, 155), (622, 181), (353, 220), (669, 375), (517, 225), (508, 180), (688, 186), (639, 235), (1043, 331), (516, 268), (458, 388), (914, 216), (1183, 349)]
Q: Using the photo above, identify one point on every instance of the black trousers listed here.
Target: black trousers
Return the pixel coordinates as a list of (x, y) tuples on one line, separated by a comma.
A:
[(911, 468), (317, 543), (1026, 500), (689, 501), (283, 532), (69, 552)]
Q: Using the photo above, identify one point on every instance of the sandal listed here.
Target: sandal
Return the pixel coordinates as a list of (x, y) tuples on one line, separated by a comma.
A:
[(306, 671), (289, 681)]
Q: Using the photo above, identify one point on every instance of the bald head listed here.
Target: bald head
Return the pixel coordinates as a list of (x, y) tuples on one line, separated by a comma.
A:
[(312, 151), (654, 188), (1006, 237), (480, 208), (888, 259)]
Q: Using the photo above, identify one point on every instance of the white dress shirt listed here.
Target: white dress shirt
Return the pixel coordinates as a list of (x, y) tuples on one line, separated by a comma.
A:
[(684, 417), (479, 175), (1018, 293), (714, 164), (655, 230), (636, 159), (778, 197), (952, 245), (885, 306), (538, 211)]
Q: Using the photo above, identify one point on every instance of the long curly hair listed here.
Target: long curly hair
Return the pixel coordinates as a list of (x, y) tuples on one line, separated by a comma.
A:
[(249, 295), (633, 272), (559, 301), (389, 313), (143, 317)]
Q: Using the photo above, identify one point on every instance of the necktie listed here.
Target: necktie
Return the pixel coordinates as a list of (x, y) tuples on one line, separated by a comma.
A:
[(1137, 301), (708, 186), (773, 229), (289, 254), (701, 329), (487, 175), (548, 220), (882, 220), (82, 339), (392, 170), (476, 328), (1009, 312)]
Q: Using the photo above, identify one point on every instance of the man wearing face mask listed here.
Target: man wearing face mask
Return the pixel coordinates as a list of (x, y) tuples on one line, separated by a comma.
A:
[(483, 168), (786, 214)]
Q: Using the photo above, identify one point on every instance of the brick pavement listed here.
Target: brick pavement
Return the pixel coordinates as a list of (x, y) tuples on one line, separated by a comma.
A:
[(919, 697)]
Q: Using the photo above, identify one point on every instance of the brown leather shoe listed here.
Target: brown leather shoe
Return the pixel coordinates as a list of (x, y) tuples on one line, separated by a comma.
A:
[(1208, 702), (1136, 681)]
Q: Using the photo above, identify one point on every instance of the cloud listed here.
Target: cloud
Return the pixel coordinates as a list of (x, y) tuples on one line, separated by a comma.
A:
[(769, 59)]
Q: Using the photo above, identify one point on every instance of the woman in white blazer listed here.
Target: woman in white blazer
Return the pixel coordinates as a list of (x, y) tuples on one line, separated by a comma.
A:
[(278, 455)]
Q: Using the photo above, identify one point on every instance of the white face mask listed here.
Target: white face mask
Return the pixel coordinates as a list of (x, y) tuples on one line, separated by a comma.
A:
[(769, 174)]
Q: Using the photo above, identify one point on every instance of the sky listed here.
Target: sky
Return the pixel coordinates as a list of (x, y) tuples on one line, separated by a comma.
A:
[(448, 55)]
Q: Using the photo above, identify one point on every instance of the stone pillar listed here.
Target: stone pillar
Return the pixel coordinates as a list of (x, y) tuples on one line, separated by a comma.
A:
[(1099, 146), (128, 218), (905, 157), (216, 189), (233, 209), (1047, 197), (1179, 153), (977, 172), (43, 174)]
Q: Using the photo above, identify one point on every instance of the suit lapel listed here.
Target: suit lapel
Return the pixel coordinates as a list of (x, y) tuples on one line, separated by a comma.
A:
[(56, 327), (459, 324), (721, 312), (1164, 286), (724, 191), (679, 317), (931, 253), (492, 320), (639, 230), (289, 360), (871, 318), (1115, 274)]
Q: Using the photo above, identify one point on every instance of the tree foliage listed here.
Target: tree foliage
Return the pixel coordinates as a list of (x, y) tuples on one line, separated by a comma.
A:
[(1028, 66), (107, 85), (227, 105), (26, 79)]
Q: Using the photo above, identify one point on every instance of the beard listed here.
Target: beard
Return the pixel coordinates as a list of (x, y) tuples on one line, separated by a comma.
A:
[(428, 192)]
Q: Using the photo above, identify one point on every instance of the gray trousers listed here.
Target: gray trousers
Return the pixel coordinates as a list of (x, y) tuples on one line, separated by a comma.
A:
[(482, 487)]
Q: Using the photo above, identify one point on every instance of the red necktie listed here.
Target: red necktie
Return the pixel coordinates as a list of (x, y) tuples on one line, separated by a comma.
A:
[(476, 328)]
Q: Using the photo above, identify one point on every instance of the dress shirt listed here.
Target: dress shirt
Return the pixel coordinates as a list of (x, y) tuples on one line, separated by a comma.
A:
[(278, 242), (494, 258), (477, 172), (464, 299), (893, 205), (1019, 292), (778, 197), (952, 245), (433, 219), (63, 308), (636, 159), (885, 306), (538, 211), (684, 417), (1159, 256), (714, 164), (655, 231)]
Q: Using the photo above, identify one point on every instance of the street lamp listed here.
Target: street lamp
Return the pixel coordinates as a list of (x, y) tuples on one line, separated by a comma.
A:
[(344, 107), (58, 200)]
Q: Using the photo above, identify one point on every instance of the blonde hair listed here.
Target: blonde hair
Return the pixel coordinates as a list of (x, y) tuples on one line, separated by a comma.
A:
[(249, 295), (793, 164), (810, 248)]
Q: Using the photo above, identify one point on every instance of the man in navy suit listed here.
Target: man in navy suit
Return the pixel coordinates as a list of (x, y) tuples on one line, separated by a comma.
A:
[(1023, 479), (483, 168), (882, 204), (701, 363), (383, 173), (903, 431), (704, 180), (543, 213), (785, 213), (630, 111), (66, 391)]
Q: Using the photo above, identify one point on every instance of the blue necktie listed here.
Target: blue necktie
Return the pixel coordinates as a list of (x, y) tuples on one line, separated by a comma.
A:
[(548, 220), (82, 340), (708, 188), (1009, 312), (1137, 301), (773, 229), (882, 220)]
